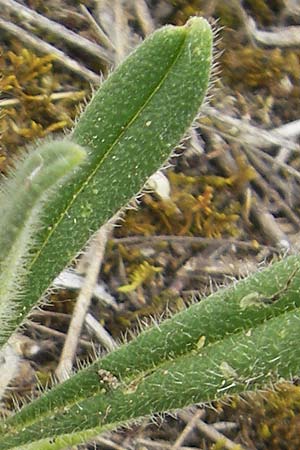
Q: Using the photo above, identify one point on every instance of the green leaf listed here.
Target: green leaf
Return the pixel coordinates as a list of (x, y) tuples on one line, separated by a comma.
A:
[(31, 183), (129, 128), (207, 321), (240, 362)]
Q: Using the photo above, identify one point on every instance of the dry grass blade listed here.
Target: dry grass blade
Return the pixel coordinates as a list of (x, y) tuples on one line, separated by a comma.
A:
[(61, 33), (45, 48)]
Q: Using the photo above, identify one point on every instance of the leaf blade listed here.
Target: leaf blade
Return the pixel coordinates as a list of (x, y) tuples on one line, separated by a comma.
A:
[(134, 149)]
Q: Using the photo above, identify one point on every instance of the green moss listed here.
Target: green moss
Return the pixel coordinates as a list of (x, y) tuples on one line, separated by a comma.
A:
[(199, 206), (245, 67), (275, 418), (33, 100)]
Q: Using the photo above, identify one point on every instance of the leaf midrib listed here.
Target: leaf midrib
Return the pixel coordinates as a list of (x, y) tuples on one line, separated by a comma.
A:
[(106, 155)]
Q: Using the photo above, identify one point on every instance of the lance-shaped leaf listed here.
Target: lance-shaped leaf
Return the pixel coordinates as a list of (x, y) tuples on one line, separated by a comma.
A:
[(238, 363), (130, 127), (276, 289)]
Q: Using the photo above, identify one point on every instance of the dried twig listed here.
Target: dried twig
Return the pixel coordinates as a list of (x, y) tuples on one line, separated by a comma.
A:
[(45, 313), (99, 331), (289, 130), (121, 32), (190, 240), (263, 217), (225, 426), (245, 133), (107, 443), (281, 37), (270, 227), (144, 16), (102, 335), (70, 95), (210, 432), (239, 9), (64, 367), (157, 445), (68, 279), (45, 48), (215, 436), (273, 161), (58, 334), (188, 429), (62, 33), (102, 37), (292, 7), (268, 190)]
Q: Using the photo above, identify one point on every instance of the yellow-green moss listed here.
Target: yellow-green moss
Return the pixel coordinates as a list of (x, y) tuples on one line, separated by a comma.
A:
[(33, 99), (204, 206), (245, 67), (272, 419)]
